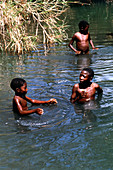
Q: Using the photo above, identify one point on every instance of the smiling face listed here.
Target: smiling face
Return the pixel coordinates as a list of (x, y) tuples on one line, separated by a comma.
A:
[(84, 77)]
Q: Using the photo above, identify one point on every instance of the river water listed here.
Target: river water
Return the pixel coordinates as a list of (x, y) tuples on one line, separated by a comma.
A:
[(66, 136)]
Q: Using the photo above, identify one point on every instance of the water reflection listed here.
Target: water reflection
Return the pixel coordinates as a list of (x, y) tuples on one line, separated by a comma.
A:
[(83, 61), (88, 109)]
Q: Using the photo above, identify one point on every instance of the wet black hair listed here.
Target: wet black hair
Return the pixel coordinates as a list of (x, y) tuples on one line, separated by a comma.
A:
[(83, 24), (90, 71), (17, 83)]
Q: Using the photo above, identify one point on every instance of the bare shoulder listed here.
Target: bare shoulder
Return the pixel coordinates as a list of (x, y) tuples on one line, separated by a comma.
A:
[(75, 35), (16, 99), (76, 86), (95, 85)]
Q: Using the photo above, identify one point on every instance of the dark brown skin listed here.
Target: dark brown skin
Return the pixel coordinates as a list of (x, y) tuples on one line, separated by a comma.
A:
[(85, 90), (83, 40), (20, 102)]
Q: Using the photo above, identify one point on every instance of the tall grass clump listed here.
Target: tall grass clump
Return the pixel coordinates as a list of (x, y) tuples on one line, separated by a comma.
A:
[(17, 17)]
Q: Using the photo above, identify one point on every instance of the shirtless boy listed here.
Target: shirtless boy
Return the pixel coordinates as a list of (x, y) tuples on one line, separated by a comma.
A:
[(20, 99), (85, 90), (82, 39)]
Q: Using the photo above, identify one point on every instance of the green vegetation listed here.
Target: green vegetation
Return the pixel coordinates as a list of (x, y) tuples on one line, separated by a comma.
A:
[(25, 24)]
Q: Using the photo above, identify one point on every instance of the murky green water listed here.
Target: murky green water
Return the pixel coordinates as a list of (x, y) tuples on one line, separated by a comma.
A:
[(67, 136)]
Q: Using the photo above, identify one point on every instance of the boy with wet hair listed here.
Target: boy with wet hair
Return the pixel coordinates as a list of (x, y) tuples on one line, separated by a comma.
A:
[(85, 90), (20, 99), (82, 39)]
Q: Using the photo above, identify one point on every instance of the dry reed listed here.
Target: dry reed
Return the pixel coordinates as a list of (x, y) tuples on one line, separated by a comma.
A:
[(16, 18)]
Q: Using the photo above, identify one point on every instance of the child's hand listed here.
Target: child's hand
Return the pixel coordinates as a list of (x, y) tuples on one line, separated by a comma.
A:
[(52, 101), (95, 48), (39, 111), (78, 52)]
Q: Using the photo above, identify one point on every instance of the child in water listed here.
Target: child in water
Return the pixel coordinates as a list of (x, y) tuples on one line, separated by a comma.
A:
[(20, 99), (82, 39), (85, 90)]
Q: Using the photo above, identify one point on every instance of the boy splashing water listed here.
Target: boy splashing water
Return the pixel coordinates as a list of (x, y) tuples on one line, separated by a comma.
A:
[(20, 99), (85, 90)]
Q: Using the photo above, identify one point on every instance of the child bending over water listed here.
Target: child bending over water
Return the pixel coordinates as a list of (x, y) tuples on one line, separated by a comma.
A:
[(20, 99), (85, 90), (82, 39)]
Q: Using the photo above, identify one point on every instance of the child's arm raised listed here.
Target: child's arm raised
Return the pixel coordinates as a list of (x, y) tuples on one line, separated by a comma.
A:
[(33, 101)]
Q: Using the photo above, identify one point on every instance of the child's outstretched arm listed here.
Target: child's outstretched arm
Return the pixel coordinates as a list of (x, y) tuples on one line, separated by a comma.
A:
[(25, 111), (33, 101)]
